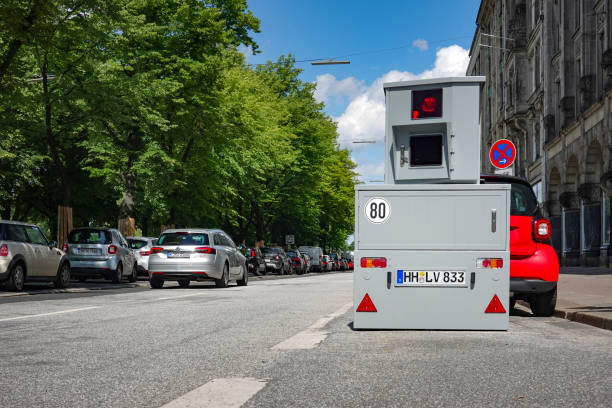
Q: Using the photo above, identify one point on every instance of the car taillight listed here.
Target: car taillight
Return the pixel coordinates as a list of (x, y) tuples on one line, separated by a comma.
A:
[(112, 249), (490, 263), (252, 253), (296, 259), (144, 253), (4, 250), (373, 262), (65, 248), (155, 250), (276, 257), (206, 250), (541, 230)]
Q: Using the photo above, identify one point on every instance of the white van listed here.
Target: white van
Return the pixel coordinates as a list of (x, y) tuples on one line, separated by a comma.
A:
[(315, 253)]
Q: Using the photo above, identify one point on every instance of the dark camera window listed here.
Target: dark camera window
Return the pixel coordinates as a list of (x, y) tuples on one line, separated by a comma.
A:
[(427, 104), (426, 150)]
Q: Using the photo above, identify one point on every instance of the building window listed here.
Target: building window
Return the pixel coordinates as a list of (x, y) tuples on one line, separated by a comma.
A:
[(537, 189), (501, 85), (536, 141), (606, 219), (555, 27), (577, 86), (536, 67), (577, 13), (598, 65)]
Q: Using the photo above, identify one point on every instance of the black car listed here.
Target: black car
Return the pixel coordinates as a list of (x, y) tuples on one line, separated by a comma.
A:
[(255, 261), (276, 260), (297, 262)]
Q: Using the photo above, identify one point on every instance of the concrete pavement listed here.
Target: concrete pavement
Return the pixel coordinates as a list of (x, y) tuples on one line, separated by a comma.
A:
[(585, 295)]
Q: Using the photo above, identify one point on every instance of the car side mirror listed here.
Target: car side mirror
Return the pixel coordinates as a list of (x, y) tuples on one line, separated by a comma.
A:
[(52, 244)]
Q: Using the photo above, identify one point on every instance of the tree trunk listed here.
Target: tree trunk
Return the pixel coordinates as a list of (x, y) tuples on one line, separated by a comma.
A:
[(64, 224)]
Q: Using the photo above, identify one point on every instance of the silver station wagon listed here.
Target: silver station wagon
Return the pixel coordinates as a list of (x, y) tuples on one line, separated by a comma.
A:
[(186, 255)]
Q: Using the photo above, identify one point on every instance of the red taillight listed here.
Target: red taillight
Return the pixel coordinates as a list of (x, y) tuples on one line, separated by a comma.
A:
[(276, 257), (112, 249), (206, 250), (4, 250), (144, 253), (373, 262), (296, 259), (490, 263), (541, 230), (253, 253), (65, 248), (156, 250)]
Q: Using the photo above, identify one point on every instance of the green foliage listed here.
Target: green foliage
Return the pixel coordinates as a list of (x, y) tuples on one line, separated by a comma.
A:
[(145, 108)]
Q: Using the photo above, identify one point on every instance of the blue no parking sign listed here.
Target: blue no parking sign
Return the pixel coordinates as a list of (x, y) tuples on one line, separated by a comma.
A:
[(502, 154)]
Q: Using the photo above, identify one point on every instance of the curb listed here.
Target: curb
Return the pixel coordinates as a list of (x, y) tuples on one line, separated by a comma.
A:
[(68, 290), (585, 318)]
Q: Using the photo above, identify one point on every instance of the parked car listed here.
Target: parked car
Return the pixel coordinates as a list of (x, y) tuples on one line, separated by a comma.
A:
[(277, 260), (141, 247), (100, 253), (27, 255), (315, 253), (343, 264), (195, 254), (295, 257), (534, 266), (306, 259), (335, 262), (349, 264), (326, 263), (255, 260)]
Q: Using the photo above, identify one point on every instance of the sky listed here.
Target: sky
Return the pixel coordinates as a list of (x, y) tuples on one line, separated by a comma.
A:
[(385, 41)]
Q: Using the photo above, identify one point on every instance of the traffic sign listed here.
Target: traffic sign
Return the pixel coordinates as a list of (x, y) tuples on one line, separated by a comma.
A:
[(502, 154)]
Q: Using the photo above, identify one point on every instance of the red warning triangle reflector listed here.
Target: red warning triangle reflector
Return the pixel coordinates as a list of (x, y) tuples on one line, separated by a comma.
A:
[(495, 306), (366, 305)]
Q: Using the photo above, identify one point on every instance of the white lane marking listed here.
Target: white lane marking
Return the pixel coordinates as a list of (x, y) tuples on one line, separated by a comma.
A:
[(219, 393), (179, 297), (312, 336), (49, 314)]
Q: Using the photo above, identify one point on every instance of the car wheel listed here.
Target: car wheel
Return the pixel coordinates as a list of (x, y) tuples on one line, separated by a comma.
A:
[(224, 281), (156, 283), (134, 275), (512, 303), (63, 276), (543, 304), (265, 270), (245, 277), (16, 278), (183, 283), (118, 274)]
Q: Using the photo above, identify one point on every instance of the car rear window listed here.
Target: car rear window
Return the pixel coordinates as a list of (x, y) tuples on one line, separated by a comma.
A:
[(183, 238), (90, 236), (136, 243), (291, 253), (522, 199), (271, 251)]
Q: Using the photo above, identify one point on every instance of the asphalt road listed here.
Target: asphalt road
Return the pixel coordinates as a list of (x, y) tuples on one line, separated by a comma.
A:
[(279, 343)]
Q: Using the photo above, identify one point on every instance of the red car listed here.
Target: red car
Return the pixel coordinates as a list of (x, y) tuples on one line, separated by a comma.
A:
[(534, 266)]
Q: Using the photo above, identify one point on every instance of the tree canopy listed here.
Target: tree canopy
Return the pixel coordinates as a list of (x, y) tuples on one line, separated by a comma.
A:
[(146, 109)]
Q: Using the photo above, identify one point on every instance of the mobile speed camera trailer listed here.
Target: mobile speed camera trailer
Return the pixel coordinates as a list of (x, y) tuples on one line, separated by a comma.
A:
[(432, 243)]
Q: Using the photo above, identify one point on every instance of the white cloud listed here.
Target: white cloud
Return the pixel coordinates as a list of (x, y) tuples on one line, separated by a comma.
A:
[(371, 171), (246, 51), (421, 44), (364, 117), (328, 86)]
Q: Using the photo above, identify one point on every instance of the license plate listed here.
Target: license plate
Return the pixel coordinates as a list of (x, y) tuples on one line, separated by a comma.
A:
[(431, 278), (268, 260), (87, 251), (178, 255)]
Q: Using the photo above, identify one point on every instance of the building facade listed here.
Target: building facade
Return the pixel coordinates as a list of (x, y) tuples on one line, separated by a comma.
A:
[(548, 65)]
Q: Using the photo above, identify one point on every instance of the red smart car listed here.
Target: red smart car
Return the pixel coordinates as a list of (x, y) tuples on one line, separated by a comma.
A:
[(534, 266)]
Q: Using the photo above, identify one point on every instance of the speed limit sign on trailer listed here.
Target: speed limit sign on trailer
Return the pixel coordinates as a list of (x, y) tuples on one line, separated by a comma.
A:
[(377, 210)]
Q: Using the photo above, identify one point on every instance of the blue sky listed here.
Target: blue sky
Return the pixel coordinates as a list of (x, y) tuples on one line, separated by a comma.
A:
[(390, 40)]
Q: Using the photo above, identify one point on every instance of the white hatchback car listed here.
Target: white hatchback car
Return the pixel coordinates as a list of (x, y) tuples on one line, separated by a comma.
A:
[(186, 255)]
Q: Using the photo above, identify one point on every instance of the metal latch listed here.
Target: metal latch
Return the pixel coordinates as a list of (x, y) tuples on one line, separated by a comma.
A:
[(403, 155), (493, 220)]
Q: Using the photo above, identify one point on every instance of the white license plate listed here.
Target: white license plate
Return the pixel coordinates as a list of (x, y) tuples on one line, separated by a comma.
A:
[(178, 255), (430, 278), (87, 251)]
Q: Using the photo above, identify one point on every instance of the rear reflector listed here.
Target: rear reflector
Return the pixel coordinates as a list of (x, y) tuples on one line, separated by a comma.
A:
[(373, 262), (490, 263), (495, 306), (366, 305)]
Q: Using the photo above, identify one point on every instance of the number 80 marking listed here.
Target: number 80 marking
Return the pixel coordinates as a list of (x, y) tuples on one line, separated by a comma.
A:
[(377, 210)]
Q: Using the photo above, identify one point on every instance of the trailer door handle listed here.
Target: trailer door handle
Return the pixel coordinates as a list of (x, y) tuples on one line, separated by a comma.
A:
[(402, 155), (389, 280), (493, 220)]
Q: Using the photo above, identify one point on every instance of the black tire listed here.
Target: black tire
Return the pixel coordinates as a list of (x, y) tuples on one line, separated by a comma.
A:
[(224, 281), (16, 278), (245, 277), (183, 283), (156, 283), (63, 276), (134, 275), (117, 274), (265, 271), (543, 304), (512, 303)]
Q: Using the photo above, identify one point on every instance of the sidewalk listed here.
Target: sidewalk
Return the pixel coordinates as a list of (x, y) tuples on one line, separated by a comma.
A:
[(585, 295)]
